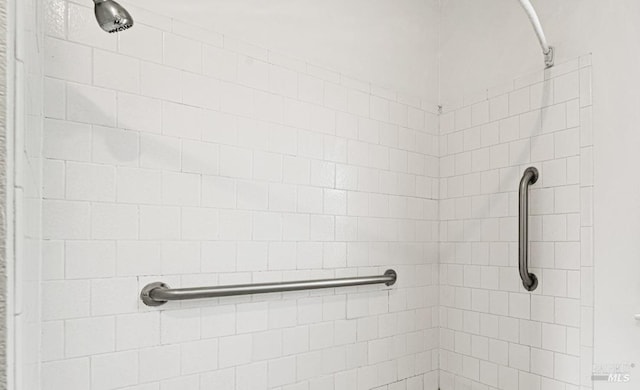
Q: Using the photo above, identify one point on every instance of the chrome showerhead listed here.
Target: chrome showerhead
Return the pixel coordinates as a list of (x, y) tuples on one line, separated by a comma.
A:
[(111, 16)]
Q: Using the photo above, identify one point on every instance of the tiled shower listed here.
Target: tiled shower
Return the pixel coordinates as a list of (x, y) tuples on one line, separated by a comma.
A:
[(492, 330), (179, 153), (217, 162)]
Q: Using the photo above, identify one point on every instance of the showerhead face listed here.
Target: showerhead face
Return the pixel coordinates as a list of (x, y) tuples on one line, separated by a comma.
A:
[(111, 16)]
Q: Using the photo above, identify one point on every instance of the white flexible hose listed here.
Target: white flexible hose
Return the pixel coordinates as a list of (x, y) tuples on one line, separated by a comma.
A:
[(533, 16)]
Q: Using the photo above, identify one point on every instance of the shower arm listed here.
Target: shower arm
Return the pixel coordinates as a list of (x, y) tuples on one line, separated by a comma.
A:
[(537, 27)]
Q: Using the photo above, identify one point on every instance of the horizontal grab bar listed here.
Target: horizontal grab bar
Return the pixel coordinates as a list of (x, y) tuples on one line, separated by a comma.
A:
[(158, 293), (529, 280)]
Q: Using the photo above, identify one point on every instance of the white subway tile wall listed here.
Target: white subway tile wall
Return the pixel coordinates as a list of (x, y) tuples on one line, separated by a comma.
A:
[(493, 333), (178, 154)]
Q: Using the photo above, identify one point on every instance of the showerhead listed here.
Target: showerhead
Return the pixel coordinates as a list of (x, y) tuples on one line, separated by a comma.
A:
[(111, 16)]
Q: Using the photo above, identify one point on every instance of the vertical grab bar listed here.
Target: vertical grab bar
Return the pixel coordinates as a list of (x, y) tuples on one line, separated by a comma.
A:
[(529, 280)]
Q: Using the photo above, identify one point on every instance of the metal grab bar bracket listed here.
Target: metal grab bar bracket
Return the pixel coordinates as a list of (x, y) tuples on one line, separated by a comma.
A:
[(158, 293), (145, 294), (529, 280), (393, 275)]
